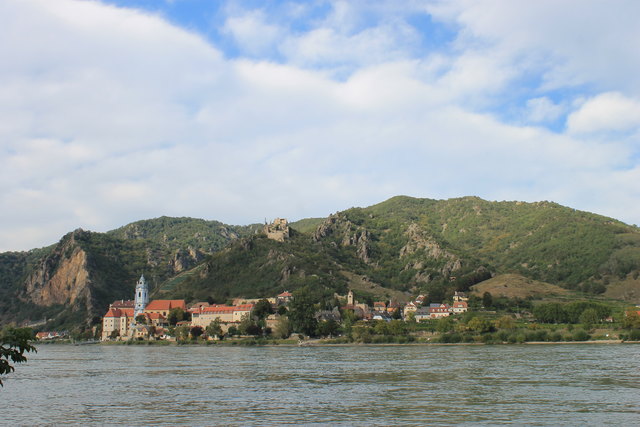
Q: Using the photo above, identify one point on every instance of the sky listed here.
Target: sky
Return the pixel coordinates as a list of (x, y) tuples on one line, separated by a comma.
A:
[(239, 111)]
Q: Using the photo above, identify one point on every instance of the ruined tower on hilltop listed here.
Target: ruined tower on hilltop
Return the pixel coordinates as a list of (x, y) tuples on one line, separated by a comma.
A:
[(278, 230)]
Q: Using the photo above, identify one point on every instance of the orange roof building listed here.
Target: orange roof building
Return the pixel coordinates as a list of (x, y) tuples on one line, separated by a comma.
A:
[(163, 306)]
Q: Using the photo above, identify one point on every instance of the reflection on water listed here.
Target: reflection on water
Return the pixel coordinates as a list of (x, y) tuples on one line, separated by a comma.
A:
[(379, 385)]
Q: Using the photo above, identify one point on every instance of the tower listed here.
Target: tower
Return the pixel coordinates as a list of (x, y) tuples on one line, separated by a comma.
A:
[(142, 296), (350, 298)]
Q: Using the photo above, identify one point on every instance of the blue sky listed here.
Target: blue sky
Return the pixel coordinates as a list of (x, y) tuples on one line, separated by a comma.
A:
[(115, 111)]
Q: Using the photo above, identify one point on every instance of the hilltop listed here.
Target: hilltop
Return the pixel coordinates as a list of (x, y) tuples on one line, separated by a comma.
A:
[(393, 250)]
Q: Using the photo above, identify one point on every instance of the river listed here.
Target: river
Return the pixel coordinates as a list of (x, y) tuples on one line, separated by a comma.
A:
[(347, 385)]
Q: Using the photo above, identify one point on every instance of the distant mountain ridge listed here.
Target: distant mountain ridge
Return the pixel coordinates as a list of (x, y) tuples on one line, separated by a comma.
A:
[(396, 248)]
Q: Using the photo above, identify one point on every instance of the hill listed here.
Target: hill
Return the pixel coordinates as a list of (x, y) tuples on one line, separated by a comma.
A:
[(394, 249), (429, 246), (516, 286), (73, 281)]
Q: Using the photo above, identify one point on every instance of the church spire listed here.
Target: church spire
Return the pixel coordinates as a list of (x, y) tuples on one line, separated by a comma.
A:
[(142, 296)]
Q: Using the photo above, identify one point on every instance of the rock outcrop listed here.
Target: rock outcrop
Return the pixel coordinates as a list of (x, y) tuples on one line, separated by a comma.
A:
[(62, 277)]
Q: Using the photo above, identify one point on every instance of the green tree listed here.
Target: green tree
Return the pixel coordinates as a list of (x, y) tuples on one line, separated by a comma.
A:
[(487, 300), (176, 315), (589, 317), (181, 333), (283, 328), (631, 319), (262, 309), (214, 328), (505, 322), (141, 319), (196, 332), (480, 324), (328, 328), (14, 343), (444, 324), (302, 311)]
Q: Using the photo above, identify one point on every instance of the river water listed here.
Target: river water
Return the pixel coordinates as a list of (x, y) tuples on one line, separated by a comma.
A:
[(350, 385)]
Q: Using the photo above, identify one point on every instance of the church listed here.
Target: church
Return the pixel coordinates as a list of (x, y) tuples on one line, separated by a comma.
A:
[(120, 320)]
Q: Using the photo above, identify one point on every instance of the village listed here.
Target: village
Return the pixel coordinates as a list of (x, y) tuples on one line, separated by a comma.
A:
[(141, 319)]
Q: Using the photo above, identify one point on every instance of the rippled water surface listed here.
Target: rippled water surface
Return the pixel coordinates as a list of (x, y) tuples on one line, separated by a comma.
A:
[(354, 385)]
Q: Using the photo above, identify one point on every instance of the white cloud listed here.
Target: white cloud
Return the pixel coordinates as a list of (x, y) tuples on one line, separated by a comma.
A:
[(609, 111), (543, 109), (252, 33), (112, 115)]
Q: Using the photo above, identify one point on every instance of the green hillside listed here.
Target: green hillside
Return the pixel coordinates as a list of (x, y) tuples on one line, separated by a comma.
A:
[(398, 248), (433, 246)]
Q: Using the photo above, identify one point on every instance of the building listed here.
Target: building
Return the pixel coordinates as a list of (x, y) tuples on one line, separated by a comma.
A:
[(227, 315), (379, 306), (459, 307), (284, 298), (164, 306), (437, 311), (117, 319), (278, 230), (142, 296), (422, 314), (460, 297), (409, 308)]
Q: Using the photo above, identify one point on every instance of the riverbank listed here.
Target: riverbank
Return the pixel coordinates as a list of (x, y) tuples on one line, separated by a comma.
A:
[(329, 343)]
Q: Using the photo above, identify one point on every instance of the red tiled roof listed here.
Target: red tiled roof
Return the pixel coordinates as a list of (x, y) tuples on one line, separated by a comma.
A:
[(123, 304), (119, 312), (154, 316), (166, 304), (227, 308), (285, 294)]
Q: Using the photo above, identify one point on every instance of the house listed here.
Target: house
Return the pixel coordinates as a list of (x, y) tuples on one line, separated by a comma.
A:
[(284, 298), (164, 306), (380, 306), (459, 307), (227, 315), (422, 314), (117, 319), (437, 311), (155, 319), (42, 336), (460, 297), (326, 315), (378, 315), (409, 308)]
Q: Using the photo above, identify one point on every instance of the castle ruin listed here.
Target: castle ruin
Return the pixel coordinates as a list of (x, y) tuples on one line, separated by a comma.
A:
[(278, 230)]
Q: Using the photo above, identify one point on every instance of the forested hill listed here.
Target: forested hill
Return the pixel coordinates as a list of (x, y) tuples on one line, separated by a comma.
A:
[(397, 248), (433, 246), (73, 281)]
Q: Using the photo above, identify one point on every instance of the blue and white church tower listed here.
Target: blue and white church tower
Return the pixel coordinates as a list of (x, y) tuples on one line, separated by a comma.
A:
[(142, 296)]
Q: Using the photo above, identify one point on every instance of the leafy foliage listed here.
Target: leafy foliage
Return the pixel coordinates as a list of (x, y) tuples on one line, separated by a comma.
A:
[(14, 343)]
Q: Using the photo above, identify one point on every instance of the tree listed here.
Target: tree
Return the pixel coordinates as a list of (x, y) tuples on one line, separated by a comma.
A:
[(631, 319), (214, 328), (328, 328), (176, 315), (487, 300), (444, 324), (505, 322), (14, 342), (480, 324), (196, 331), (589, 317), (181, 332), (283, 328), (262, 309), (140, 318), (302, 310)]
